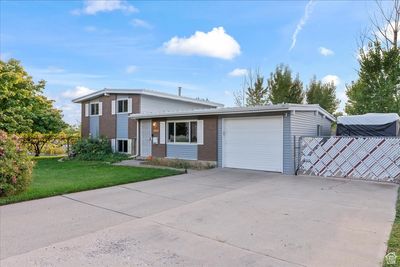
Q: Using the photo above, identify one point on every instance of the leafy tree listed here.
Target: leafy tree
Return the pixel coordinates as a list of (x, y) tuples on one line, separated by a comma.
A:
[(378, 86), (283, 88), (323, 94), (17, 95), (23, 108), (256, 91), (46, 118)]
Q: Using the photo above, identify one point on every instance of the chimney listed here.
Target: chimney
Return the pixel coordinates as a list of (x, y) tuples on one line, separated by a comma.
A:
[(179, 91)]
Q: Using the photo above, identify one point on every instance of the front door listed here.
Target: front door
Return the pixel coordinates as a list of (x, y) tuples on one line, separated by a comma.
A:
[(145, 138)]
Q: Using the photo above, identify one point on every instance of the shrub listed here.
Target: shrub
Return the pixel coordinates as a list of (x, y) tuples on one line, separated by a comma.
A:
[(15, 165), (179, 163), (95, 149)]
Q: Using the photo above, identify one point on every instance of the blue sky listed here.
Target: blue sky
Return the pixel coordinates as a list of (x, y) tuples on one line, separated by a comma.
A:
[(79, 46)]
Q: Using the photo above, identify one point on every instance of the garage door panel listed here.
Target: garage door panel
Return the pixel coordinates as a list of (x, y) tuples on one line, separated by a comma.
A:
[(253, 143)]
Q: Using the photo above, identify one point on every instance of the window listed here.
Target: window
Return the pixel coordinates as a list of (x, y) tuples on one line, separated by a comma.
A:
[(122, 146), (94, 109), (171, 132), (182, 132), (123, 106), (193, 132)]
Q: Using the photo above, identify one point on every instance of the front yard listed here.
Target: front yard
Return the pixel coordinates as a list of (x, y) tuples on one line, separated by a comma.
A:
[(52, 177)]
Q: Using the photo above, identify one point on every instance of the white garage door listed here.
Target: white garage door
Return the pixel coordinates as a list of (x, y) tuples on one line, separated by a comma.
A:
[(253, 143)]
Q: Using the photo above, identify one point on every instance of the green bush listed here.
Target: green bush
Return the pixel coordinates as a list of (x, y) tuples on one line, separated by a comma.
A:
[(180, 163), (15, 165), (92, 149)]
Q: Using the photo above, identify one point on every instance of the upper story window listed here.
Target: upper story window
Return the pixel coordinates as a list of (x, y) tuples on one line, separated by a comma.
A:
[(94, 109), (182, 132), (123, 106)]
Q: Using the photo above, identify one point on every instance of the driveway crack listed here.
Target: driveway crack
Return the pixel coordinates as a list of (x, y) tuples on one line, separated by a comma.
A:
[(225, 243), (100, 207)]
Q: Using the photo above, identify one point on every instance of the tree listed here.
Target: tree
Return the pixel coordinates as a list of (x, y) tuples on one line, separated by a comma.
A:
[(377, 88), (323, 94), (23, 108), (17, 95), (256, 92), (283, 88), (386, 27)]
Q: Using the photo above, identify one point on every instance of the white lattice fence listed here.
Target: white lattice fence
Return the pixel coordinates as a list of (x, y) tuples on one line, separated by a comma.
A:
[(373, 158)]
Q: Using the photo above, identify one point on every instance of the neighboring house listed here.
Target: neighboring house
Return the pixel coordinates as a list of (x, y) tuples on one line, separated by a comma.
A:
[(258, 138), (105, 113)]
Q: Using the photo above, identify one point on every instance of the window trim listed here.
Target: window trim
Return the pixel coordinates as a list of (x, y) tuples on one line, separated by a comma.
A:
[(98, 108), (127, 105), (117, 147), (179, 143)]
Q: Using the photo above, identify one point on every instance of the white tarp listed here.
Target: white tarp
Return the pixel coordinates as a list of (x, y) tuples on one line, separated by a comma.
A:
[(369, 119)]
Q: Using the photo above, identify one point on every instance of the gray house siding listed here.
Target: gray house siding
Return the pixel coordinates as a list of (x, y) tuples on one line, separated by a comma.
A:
[(156, 104), (305, 123), (122, 125), (94, 126), (287, 146), (182, 151)]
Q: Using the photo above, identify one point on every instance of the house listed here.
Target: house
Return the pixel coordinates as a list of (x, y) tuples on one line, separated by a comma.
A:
[(257, 138), (105, 113)]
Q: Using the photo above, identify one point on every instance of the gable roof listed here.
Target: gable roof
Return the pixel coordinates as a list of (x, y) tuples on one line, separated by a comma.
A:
[(146, 92), (238, 110)]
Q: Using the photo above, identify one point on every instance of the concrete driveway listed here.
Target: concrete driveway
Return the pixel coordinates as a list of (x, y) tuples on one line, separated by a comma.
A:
[(215, 218)]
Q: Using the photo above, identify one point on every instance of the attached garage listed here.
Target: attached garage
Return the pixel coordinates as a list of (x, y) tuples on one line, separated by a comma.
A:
[(253, 143), (263, 138)]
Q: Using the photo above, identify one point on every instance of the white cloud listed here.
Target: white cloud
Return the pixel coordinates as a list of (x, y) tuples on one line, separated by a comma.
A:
[(238, 72), (131, 69), (325, 51), (90, 29), (331, 78), (92, 7), (307, 12), (78, 91), (215, 43), (141, 23)]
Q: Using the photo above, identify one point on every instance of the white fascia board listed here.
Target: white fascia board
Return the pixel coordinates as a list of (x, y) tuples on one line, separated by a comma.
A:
[(145, 92), (220, 111)]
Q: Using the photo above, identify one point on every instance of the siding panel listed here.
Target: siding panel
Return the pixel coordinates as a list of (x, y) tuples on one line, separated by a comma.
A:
[(94, 126), (157, 104), (304, 123), (182, 151), (122, 125), (287, 146)]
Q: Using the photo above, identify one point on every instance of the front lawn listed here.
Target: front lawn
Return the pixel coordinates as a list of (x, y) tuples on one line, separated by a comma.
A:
[(51, 177), (394, 239)]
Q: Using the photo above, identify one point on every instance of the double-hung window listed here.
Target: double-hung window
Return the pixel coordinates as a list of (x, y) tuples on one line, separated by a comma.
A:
[(123, 106), (182, 132), (94, 109)]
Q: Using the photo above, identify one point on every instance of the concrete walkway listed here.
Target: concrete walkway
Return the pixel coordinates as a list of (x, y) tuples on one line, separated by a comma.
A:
[(214, 218)]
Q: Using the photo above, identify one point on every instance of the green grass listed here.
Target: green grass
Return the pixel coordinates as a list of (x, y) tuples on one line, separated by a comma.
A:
[(51, 177), (394, 239)]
